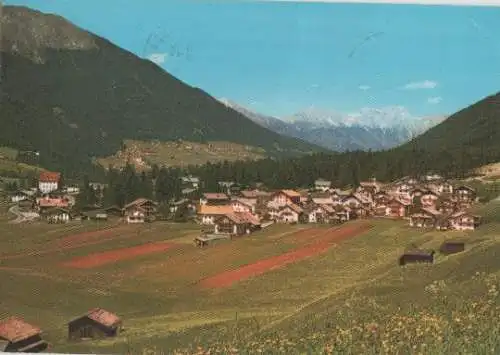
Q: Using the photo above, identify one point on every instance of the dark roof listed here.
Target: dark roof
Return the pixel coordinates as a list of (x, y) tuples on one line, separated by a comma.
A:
[(101, 316)]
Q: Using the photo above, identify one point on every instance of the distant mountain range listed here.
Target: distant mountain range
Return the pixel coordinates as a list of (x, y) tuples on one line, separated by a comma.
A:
[(369, 129)]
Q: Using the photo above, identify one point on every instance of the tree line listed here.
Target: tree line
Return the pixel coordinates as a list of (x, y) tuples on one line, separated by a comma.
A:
[(343, 169)]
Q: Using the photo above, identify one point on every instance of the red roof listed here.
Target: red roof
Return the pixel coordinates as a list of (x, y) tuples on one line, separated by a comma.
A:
[(243, 218), (53, 202), (254, 193), (47, 176), (215, 210), (215, 196), (15, 329), (103, 317)]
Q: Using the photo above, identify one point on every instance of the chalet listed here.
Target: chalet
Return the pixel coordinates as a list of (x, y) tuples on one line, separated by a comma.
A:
[(140, 210), (445, 187), (214, 199), (446, 205), (190, 182), (465, 194), (429, 199), (463, 221), (305, 196), (285, 197), (48, 181), (73, 190), (243, 205), (207, 213), (381, 197), (226, 185), (397, 208), (289, 214), (369, 187), (359, 204), (416, 192), (97, 323), (56, 215), (320, 214), (353, 201), (323, 200), (433, 177), (97, 186), (322, 185), (342, 213), (175, 205), (237, 223), (188, 191), (21, 337), (19, 196), (52, 202), (425, 218)]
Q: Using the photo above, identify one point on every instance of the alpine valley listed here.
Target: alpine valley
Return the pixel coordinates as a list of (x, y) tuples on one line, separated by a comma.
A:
[(368, 129)]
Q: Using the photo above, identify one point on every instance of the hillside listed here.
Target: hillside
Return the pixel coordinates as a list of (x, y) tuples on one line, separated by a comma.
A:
[(474, 129), (73, 95)]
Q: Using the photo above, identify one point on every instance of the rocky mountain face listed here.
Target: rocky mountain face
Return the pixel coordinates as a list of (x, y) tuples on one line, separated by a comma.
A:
[(72, 96)]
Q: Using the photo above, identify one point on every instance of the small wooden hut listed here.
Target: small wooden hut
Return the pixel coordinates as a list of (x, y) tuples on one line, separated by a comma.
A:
[(97, 323), (417, 256), (18, 336), (452, 247)]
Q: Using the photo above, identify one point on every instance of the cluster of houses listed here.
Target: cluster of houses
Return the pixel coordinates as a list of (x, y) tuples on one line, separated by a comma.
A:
[(51, 202), (430, 202), (426, 203), (17, 335)]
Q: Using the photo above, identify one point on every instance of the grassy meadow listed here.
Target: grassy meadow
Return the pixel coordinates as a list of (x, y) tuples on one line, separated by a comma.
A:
[(181, 153), (353, 299)]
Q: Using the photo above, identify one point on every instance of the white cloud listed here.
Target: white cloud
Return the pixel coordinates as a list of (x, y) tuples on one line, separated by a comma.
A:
[(364, 87), (434, 100), (426, 84), (158, 58)]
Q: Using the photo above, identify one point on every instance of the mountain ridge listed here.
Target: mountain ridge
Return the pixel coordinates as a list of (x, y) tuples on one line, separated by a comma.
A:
[(73, 95), (331, 131)]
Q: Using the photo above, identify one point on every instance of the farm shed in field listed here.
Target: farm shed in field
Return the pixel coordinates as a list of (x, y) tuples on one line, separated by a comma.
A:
[(452, 247), (97, 323), (18, 336), (416, 256)]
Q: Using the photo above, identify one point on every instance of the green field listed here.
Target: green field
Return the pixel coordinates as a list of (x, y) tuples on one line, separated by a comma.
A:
[(353, 297)]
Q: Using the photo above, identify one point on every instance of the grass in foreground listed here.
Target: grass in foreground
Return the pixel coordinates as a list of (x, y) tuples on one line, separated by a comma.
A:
[(354, 299)]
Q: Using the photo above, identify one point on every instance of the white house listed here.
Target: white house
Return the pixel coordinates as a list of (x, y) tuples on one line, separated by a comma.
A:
[(48, 181), (322, 185)]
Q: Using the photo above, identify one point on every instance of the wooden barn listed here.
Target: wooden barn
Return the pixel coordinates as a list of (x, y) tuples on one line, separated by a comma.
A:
[(417, 256), (97, 323), (452, 247), (18, 336)]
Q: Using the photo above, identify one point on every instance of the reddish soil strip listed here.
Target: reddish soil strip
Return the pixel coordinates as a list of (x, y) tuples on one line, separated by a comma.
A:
[(85, 237), (108, 257), (332, 235), (65, 247)]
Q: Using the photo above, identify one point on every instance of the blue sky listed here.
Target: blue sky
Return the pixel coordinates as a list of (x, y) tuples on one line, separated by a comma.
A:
[(282, 57)]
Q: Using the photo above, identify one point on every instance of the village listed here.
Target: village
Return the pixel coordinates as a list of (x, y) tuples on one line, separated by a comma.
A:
[(429, 202)]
